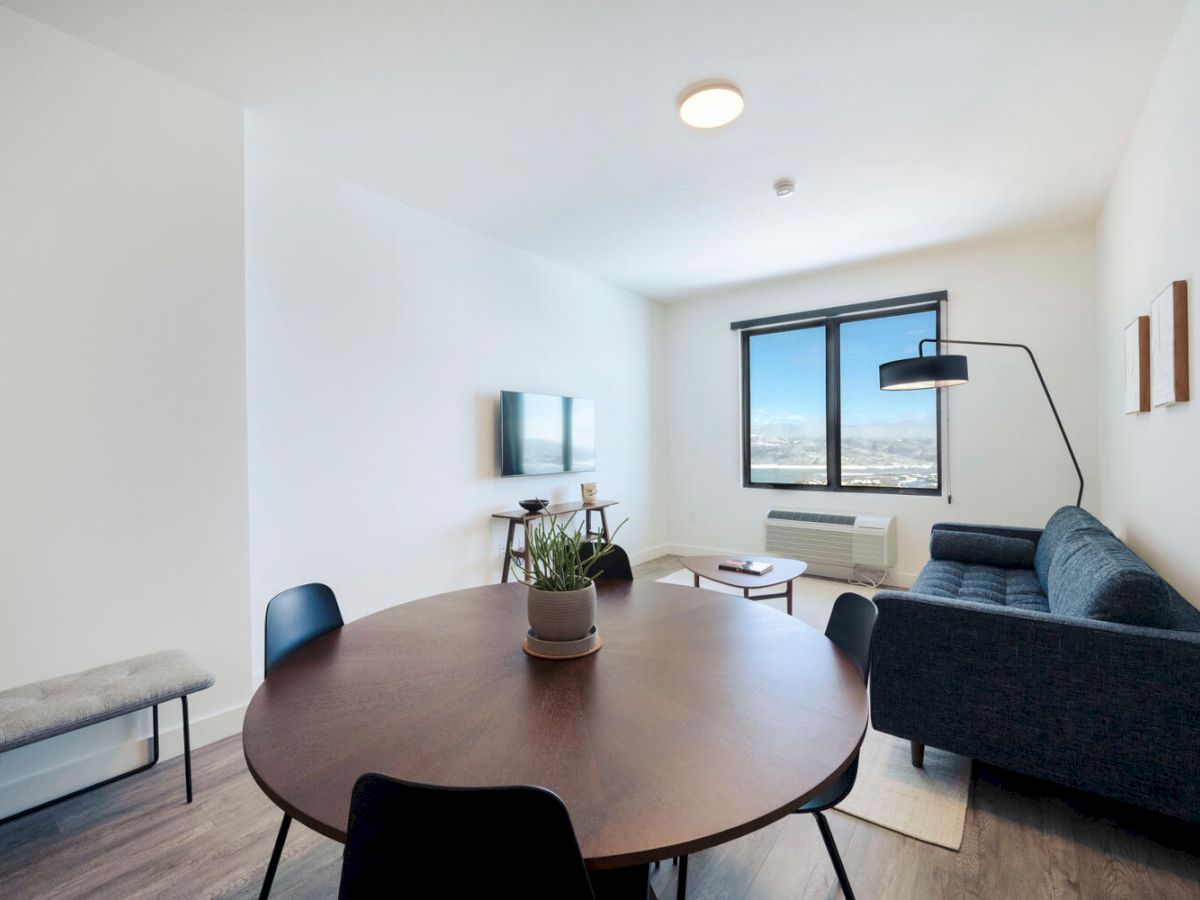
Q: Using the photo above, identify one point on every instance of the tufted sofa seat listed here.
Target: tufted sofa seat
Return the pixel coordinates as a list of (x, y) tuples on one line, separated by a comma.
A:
[(1017, 588)]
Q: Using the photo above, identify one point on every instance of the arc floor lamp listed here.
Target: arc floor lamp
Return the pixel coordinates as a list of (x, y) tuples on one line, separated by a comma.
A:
[(946, 370)]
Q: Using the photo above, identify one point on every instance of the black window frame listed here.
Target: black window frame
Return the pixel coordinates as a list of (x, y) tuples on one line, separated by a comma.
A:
[(833, 402)]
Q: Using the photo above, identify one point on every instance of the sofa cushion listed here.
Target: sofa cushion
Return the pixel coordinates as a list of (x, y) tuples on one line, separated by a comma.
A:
[(1096, 576), (1017, 588), (1065, 522), (982, 549)]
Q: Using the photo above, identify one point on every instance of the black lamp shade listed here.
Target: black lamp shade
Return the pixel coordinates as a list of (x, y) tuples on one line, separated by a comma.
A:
[(923, 372)]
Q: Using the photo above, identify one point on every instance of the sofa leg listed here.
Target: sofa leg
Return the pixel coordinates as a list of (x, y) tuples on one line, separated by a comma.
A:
[(918, 754)]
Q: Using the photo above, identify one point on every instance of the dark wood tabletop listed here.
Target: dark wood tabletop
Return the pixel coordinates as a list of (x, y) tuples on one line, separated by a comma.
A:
[(702, 718), (709, 567)]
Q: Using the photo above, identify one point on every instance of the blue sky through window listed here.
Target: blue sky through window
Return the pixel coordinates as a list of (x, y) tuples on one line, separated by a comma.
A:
[(889, 438)]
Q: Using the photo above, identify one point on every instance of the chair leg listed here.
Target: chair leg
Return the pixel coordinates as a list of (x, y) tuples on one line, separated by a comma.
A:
[(918, 754), (275, 854), (187, 750), (836, 857), (681, 891)]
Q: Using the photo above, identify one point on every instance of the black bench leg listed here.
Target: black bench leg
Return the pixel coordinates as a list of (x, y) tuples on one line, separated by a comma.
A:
[(187, 750), (275, 854), (91, 787)]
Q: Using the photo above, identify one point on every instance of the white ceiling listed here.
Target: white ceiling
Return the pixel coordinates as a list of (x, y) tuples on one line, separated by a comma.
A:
[(551, 124)]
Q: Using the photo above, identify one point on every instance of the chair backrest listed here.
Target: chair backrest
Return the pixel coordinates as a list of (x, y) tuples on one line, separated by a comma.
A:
[(484, 842), (851, 625), (614, 565), (295, 617)]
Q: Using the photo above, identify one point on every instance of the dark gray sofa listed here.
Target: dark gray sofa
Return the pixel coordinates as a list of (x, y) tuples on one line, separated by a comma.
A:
[(1054, 652)]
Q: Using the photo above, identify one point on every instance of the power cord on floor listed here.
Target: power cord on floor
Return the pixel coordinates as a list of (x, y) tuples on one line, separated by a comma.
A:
[(865, 577)]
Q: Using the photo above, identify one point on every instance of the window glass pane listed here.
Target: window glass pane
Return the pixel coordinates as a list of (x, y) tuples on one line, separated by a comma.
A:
[(787, 407), (889, 438)]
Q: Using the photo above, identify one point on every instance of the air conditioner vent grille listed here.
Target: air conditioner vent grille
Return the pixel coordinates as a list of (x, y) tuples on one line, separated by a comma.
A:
[(841, 546), (796, 515)]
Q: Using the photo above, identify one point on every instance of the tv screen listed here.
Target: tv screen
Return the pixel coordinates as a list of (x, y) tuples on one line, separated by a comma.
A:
[(541, 434)]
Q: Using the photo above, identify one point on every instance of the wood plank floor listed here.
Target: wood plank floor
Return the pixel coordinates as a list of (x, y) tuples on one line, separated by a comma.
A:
[(1024, 839)]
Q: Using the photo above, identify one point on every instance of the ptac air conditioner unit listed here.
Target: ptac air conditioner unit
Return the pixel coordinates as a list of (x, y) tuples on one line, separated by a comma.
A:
[(853, 546)]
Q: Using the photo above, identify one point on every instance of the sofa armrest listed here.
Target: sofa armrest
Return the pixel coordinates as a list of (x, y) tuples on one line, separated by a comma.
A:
[(1029, 534), (1105, 707)]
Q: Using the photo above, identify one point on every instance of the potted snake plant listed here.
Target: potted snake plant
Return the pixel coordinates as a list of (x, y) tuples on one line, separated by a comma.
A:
[(562, 594)]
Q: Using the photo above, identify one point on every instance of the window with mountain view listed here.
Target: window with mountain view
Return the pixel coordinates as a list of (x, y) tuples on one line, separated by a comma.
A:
[(787, 407), (815, 416)]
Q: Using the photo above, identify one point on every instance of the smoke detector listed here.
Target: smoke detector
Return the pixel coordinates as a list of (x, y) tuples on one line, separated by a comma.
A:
[(785, 187)]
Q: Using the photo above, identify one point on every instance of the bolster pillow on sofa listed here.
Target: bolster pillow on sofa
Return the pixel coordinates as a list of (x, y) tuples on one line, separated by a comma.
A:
[(981, 549), (1097, 576)]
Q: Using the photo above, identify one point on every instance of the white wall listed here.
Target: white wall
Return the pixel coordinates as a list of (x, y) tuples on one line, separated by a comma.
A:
[(1147, 237), (123, 517), (379, 338), (1007, 463)]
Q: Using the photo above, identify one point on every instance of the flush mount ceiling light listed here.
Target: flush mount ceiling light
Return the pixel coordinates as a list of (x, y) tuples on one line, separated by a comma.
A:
[(784, 187), (710, 104)]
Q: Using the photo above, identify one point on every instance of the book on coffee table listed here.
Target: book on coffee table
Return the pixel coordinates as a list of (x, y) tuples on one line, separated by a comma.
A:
[(746, 566)]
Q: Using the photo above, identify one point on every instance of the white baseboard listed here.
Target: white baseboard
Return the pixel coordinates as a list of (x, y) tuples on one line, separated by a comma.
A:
[(57, 766), (644, 556)]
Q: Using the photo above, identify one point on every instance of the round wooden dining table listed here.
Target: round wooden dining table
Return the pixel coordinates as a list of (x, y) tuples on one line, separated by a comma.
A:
[(701, 719)]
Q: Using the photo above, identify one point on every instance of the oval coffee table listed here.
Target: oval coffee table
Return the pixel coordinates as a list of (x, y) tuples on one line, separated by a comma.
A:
[(702, 718), (783, 571)]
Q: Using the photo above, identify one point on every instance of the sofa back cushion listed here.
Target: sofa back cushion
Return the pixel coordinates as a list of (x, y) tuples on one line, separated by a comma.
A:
[(980, 548), (1067, 521), (1094, 575)]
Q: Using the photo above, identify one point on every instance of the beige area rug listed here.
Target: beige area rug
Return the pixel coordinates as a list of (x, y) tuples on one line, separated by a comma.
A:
[(929, 804)]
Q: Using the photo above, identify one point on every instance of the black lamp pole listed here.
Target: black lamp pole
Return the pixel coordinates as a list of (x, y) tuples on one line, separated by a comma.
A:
[(1046, 390)]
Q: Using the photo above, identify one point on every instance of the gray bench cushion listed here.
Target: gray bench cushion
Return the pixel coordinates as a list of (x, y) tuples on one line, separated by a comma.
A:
[(1016, 588), (58, 705)]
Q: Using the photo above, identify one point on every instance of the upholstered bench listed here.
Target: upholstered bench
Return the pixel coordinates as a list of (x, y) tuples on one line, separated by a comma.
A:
[(44, 709)]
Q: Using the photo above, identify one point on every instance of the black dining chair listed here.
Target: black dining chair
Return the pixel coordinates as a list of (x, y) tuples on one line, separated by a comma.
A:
[(520, 842), (851, 626), (615, 565), (294, 617)]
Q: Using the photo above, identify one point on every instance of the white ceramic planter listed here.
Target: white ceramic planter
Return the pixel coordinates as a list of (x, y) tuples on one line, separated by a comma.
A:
[(562, 615)]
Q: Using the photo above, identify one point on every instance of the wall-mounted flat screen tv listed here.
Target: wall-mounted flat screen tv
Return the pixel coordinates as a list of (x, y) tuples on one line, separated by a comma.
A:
[(541, 434)]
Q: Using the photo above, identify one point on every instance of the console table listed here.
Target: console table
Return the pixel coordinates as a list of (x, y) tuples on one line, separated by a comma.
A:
[(520, 517)]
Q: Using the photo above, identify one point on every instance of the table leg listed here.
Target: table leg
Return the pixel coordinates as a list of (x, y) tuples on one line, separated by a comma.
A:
[(695, 580), (789, 596), (587, 528), (629, 883), (746, 593), (604, 524), (508, 554)]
